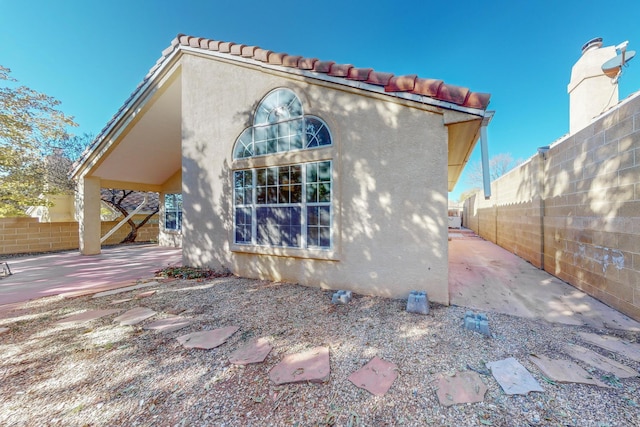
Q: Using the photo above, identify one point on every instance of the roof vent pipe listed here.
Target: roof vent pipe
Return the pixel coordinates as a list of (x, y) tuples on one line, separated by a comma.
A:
[(486, 174)]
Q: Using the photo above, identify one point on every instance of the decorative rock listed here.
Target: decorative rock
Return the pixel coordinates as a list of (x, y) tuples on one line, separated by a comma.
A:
[(513, 377), (134, 316), (4, 330), (564, 371), (311, 365), (376, 376), (86, 316), (255, 351), (170, 324), (418, 302), (341, 297), (207, 339), (463, 387), (477, 322)]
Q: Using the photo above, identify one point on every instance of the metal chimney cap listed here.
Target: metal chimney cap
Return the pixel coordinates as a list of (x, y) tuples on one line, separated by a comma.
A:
[(592, 44)]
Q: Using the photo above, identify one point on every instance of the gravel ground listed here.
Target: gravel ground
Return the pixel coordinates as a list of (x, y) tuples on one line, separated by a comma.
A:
[(99, 373)]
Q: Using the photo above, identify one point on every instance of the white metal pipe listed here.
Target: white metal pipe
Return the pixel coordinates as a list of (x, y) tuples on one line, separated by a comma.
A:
[(484, 146)]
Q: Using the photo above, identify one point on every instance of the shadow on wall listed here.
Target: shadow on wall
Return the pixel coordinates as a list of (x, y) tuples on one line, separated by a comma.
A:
[(576, 209), (367, 204)]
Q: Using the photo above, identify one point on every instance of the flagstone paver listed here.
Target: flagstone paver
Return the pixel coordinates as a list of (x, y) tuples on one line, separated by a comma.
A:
[(145, 294), (255, 351), (615, 344), (87, 316), (207, 339), (134, 316), (124, 289), (169, 324), (601, 362), (462, 387), (376, 377), (513, 377), (564, 371), (120, 301), (97, 289), (4, 330), (311, 365)]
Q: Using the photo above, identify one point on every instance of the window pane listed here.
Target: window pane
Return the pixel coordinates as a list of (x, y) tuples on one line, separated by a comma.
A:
[(324, 192), (312, 215), (324, 215), (312, 172), (324, 171), (312, 193), (296, 194)]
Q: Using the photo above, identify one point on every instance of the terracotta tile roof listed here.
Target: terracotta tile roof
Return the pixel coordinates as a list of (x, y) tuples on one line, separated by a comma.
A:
[(391, 84), (431, 88)]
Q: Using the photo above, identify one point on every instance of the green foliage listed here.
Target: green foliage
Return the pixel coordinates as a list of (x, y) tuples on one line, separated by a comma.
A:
[(33, 131)]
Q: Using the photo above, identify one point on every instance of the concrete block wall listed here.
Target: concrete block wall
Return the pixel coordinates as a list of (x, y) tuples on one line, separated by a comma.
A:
[(575, 211), (26, 235)]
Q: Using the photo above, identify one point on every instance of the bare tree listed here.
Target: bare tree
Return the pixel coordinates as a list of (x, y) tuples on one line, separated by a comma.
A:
[(499, 165), (116, 198)]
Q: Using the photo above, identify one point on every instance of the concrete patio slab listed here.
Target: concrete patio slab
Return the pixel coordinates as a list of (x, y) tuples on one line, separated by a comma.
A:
[(66, 272), (564, 371), (207, 340), (87, 316), (311, 365), (486, 277), (462, 387), (614, 344), (167, 325), (134, 316), (513, 377), (255, 351), (376, 376), (599, 361)]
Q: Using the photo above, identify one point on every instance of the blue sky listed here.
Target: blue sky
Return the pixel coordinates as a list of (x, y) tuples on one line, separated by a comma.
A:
[(92, 54)]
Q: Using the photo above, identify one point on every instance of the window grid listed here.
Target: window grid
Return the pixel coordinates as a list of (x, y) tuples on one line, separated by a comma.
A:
[(292, 206), (173, 212)]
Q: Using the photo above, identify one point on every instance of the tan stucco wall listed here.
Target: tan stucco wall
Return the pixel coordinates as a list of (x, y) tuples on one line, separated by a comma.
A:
[(585, 229), (390, 181), (26, 235)]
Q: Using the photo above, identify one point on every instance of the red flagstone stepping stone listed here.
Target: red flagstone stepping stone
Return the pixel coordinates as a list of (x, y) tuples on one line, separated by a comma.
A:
[(564, 371), (86, 316), (311, 365), (599, 361), (134, 316), (615, 344), (376, 376), (120, 301), (124, 289), (463, 387), (145, 294), (207, 339), (513, 377), (4, 330), (168, 325), (255, 351)]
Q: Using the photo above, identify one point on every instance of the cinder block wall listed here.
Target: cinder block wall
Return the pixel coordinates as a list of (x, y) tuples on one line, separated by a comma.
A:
[(576, 210), (25, 235)]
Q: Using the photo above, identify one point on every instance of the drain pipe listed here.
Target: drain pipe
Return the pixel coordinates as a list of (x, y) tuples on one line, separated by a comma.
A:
[(127, 218), (486, 173)]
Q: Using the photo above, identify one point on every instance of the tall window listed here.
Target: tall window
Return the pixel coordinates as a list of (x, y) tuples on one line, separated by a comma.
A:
[(287, 205), (173, 212)]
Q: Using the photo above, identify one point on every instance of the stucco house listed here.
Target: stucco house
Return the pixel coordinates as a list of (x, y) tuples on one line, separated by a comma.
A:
[(291, 168)]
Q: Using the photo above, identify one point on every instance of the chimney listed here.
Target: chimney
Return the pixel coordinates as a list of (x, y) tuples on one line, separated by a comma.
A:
[(591, 92)]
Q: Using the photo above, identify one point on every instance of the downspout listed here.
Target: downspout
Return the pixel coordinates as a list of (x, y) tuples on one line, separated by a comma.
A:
[(542, 151), (127, 218), (486, 174)]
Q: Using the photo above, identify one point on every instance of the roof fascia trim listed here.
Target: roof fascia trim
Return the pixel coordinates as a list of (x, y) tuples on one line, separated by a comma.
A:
[(127, 114)]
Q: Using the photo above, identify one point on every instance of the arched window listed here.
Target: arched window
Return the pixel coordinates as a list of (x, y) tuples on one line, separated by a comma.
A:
[(288, 205), (279, 125)]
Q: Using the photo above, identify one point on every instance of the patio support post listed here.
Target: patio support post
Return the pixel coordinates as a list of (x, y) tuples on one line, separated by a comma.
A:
[(89, 215)]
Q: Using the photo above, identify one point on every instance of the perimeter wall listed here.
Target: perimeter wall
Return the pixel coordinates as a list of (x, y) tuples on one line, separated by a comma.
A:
[(27, 235), (574, 210)]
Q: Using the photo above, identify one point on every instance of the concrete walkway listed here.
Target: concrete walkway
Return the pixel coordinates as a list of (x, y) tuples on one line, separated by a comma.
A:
[(486, 277), (53, 274)]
